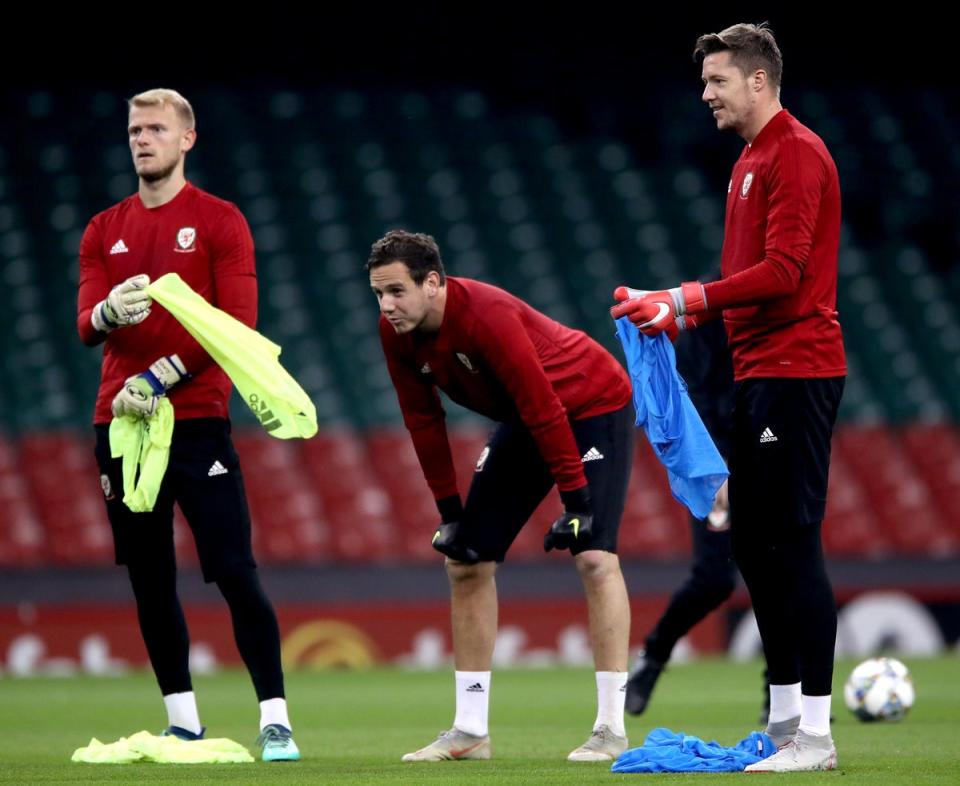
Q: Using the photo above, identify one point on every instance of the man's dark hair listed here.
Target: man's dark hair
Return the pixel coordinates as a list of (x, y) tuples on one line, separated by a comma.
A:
[(418, 251), (751, 48)]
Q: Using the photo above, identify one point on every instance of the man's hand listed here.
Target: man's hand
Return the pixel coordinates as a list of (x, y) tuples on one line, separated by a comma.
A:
[(665, 310), (140, 394), (575, 525), (127, 304), (568, 530), (445, 541), (719, 516)]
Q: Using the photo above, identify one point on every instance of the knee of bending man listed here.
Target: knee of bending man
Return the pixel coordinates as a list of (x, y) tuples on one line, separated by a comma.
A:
[(595, 565), (464, 572)]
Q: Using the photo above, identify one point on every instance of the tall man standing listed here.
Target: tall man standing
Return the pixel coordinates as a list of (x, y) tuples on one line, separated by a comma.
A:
[(777, 296), (170, 225)]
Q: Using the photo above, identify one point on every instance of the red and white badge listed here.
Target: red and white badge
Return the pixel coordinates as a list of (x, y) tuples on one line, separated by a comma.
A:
[(186, 240)]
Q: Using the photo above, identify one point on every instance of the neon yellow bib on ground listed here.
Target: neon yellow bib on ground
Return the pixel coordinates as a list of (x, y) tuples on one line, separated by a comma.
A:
[(146, 747), (248, 358)]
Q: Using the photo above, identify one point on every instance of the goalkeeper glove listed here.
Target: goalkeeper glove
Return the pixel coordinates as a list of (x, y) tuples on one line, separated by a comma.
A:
[(445, 538), (141, 393), (655, 312), (575, 525), (127, 304)]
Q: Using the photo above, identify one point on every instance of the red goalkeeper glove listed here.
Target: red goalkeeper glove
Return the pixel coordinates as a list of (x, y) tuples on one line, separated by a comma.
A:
[(654, 312)]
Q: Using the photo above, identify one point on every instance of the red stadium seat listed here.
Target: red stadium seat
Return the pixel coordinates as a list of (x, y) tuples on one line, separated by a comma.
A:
[(654, 524), (288, 524), (934, 450), (63, 477), (21, 533), (395, 465), (901, 501), (851, 528), (356, 507)]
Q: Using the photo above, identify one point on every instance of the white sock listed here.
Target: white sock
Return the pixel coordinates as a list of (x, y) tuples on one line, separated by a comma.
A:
[(473, 702), (784, 702), (182, 711), (611, 693), (815, 717), (274, 711)]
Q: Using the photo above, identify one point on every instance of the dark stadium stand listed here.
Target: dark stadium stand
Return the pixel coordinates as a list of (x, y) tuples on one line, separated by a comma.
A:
[(557, 215)]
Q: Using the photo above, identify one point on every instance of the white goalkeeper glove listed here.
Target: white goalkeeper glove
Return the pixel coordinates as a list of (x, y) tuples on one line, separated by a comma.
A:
[(127, 304), (141, 393)]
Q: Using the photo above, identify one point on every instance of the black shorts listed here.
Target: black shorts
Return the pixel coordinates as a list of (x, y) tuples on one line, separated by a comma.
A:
[(512, 479), (780, 457), (204, 479)]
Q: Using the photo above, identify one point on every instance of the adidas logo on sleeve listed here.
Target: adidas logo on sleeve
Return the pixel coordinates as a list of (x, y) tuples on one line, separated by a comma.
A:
[(591, 455), (768, 436)]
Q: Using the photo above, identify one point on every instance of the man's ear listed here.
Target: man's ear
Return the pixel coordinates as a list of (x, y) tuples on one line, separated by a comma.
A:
[(188, 140)]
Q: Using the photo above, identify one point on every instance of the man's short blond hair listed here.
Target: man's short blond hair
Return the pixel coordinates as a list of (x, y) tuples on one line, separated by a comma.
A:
[(162, 96)]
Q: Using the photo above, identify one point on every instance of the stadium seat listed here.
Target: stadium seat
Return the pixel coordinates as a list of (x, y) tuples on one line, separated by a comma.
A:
[(902, 503), (934, 451), (654, 524), (356, 508), (288, 525), (851, 528), (21, 533), (559, 214), (63, 477), (394, 462)]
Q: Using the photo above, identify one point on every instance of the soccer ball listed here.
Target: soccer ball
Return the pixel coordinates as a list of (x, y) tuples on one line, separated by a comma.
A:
[(879, 689)]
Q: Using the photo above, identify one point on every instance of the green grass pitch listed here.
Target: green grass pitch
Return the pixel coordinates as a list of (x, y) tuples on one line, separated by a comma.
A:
[(353, 726)]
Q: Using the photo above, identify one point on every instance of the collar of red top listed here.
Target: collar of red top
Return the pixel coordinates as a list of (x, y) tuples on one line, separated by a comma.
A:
[(180, 196), (772, 129)]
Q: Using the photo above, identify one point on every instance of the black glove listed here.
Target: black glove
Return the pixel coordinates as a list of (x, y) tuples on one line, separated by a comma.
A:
[(445, 541), (445, 538), (575, 525)]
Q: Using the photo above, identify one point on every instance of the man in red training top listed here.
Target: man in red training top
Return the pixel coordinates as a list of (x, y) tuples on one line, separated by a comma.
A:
[(170, 225), (564, 413), (777, 295)]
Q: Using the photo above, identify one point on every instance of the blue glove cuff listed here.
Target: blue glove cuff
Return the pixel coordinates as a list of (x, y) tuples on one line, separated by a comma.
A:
[(155, 384), (104, 318)]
